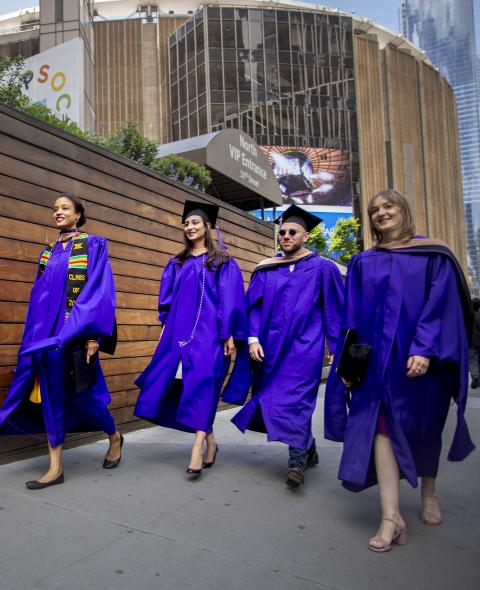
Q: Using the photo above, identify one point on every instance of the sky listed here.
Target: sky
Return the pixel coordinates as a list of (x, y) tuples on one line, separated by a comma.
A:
[(384, 13)]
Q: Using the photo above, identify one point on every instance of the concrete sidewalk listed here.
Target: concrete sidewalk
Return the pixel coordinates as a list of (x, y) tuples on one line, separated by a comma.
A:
[(144, 526)]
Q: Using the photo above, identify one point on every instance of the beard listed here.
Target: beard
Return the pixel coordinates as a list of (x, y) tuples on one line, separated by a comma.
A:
[(293, 249)]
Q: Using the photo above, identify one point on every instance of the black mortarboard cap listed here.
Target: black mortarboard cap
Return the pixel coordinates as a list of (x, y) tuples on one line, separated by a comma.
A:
[(298, 215), (207, 211)]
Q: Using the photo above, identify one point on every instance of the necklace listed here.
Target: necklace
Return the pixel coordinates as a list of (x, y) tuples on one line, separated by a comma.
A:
[(183, 343)]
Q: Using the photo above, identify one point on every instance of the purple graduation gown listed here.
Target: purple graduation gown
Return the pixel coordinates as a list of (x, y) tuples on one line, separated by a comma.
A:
[(292, 309), (44, 351), (204, 365), (402, 303)]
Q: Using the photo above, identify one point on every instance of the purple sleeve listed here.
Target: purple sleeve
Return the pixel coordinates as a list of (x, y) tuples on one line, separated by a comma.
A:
[(353, 286), (332, 304), (232, 312), (165, 296), (254, 303), (94, 310), (441, 336), (438, 334)]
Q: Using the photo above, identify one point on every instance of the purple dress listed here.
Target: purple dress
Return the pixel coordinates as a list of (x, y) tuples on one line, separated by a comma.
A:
[(403, 303), (200, 308), (292, 308), (45, 351)]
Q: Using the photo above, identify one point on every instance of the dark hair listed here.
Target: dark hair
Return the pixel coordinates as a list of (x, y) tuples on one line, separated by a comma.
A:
[(79, 208), (476, 303), (215, 257), (395, 197)]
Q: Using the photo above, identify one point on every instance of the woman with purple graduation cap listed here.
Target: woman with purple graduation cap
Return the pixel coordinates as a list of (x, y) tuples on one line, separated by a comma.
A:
[(294, 304), (202, 311), (407, 299), (58, 385)]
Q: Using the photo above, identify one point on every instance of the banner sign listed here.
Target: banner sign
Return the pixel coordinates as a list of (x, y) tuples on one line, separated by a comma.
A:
[(57, 80)]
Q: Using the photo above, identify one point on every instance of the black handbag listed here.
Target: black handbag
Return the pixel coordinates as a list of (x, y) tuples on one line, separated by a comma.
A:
[(353, 361)]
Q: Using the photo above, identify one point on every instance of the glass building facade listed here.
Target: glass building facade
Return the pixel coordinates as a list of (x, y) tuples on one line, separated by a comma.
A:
[(445, 29), (284, 77)]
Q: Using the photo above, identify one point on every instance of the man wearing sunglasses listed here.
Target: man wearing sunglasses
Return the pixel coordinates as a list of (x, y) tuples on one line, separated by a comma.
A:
[(294, 303)]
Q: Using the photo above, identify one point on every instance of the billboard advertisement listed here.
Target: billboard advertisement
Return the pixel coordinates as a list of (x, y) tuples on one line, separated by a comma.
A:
[(316, 179), (57, 80)]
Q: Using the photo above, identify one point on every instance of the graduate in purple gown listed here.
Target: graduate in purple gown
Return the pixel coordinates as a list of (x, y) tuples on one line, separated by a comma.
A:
[(203, 315), (294, 304), (406, 297), (58, 385)]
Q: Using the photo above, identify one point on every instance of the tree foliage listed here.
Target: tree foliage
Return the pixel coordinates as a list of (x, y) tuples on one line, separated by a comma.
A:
[(343, 240), (43, 113), (13, 78), (317, 241), (183, 170), (127, 141)]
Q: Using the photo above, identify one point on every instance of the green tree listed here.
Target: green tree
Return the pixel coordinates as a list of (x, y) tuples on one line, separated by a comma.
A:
[(127, 141), (343, 243), (317, 241), (186, 171), (13, 78)]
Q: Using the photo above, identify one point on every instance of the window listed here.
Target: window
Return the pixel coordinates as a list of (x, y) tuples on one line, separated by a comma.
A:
[(216, 77), (200, 38), (270, 36), (214, 33), (58, 11), (191, 44), (173, 58), (256, 34), (230, 73), (228, 30), (283, 36)]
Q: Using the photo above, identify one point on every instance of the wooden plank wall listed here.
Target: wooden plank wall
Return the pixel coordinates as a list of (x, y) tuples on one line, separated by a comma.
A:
[(137, 210)]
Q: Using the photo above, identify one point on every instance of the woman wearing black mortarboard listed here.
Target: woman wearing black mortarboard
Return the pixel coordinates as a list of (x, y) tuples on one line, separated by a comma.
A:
[(202, 310)]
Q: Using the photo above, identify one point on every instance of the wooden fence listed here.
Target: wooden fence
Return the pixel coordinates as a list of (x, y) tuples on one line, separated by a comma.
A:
[(137, 210)]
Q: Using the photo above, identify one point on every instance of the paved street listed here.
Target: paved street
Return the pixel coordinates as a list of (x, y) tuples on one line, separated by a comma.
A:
[(144, 526)]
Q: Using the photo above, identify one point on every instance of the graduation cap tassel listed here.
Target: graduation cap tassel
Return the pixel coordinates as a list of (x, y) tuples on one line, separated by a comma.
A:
[(221, 243)]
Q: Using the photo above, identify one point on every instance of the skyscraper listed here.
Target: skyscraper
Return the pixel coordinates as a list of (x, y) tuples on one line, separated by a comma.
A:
[(445, 29)]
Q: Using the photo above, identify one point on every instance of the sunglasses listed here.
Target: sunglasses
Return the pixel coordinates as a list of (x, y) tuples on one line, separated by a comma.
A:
[(290, 232)]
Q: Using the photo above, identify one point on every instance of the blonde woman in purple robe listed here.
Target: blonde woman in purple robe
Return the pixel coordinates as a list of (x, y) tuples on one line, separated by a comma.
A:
[(406, 298)]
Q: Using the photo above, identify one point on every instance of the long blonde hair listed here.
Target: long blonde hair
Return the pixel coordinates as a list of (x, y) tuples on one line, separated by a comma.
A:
[(408, 225)]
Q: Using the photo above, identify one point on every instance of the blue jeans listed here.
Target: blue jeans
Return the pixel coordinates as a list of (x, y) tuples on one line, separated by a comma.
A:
[(299, 457)]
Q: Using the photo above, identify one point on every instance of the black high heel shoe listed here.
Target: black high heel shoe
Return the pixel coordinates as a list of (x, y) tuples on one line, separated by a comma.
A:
[(193, 473), (108, 464), (210, 463)]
